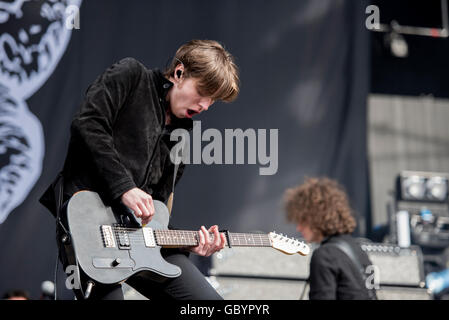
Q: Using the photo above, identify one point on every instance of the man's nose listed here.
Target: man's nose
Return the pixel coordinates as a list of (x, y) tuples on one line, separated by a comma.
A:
[(204, 105)]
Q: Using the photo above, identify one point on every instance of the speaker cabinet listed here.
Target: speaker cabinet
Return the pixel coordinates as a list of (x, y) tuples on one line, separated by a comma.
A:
[(400, 293), (241, 288), (263, 273)]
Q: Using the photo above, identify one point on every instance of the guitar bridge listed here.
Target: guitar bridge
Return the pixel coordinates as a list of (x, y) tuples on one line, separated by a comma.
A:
[(148, 236), (108, 236)]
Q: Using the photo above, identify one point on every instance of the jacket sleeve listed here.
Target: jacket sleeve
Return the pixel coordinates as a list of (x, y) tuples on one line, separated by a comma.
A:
[(323, 276), (93, 124)]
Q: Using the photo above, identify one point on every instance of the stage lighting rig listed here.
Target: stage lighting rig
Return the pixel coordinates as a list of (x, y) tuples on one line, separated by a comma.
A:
[(395, 27), (421, 197), (422, 186), (395, 31)]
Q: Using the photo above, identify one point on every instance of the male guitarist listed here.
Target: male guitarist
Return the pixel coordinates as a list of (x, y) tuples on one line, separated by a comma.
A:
[(120, 147)]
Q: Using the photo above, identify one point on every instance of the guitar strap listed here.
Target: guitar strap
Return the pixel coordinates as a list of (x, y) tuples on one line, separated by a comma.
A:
[(172, 194), (178, 154), (65, 238), (347, 249)]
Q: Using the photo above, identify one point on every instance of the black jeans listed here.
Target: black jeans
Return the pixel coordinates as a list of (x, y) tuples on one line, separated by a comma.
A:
[(190, 285)]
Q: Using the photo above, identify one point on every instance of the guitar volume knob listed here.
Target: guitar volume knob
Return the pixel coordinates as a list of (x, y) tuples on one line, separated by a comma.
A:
[(116, 262)]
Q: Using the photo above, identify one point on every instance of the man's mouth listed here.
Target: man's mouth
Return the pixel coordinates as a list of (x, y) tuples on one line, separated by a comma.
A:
[(191, 113)]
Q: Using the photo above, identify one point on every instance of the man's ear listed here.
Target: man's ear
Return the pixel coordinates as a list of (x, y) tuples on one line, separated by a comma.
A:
[(179, 71)]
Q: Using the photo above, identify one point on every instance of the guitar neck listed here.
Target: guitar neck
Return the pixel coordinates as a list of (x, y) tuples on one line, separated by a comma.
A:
[(181, 238)]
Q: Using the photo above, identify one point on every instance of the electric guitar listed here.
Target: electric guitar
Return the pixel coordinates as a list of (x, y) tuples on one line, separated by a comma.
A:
[(110, 245)]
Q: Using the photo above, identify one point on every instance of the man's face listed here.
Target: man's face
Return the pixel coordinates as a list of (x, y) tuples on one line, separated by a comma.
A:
[(307, 233), (184, 99)]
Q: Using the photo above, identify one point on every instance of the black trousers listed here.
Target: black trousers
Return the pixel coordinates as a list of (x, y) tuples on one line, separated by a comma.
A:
[(190, 285)]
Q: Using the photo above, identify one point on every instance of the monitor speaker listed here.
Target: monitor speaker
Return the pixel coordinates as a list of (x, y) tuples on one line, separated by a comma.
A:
[(244, 288), (259, 262), (264, 273)]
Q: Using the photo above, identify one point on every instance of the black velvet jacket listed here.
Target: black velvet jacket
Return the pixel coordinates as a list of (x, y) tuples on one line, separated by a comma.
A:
[(119, 139)]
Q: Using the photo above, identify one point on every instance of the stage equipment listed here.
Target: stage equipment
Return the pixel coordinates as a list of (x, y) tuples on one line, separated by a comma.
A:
[(421, 209), (261, 274), (394, 27)]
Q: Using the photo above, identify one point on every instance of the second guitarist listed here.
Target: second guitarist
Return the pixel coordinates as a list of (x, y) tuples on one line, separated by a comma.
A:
[(120, 147)]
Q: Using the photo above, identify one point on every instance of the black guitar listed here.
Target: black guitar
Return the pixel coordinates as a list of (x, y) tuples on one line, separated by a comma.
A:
[(111, 246)]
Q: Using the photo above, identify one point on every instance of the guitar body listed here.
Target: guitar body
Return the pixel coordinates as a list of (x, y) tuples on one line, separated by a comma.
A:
[(90, 222)]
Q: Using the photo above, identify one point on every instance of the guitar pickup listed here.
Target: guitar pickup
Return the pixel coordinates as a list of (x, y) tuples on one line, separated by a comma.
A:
[(108, 236), (148, 236), (122, 236)]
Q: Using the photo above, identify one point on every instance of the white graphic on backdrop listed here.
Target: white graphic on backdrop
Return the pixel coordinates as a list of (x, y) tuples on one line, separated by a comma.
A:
[(36, 37)]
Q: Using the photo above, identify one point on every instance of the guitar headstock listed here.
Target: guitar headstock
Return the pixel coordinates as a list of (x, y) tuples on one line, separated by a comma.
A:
[(288, 245)]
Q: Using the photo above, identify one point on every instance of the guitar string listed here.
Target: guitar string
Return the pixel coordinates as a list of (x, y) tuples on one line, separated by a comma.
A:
[(194, 236), (185, 233), (190, 236), (242, 236), (187, 237), (139, 234)]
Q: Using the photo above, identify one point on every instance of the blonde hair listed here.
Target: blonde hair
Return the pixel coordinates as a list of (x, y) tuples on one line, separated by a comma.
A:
[(322, 205), (212, 65)]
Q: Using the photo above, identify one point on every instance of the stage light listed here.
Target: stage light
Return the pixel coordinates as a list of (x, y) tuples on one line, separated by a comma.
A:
[(398, 45), (423, 186), (437, 188), (413, 188)]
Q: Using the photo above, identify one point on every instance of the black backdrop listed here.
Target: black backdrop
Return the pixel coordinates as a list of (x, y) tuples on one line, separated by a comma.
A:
[(304, 70)]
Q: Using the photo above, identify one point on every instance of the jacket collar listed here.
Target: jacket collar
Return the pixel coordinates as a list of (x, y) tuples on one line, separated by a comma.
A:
[(163, 85)]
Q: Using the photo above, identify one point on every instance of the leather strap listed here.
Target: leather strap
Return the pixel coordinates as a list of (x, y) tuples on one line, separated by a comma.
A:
[(347, 249), (178, 158)]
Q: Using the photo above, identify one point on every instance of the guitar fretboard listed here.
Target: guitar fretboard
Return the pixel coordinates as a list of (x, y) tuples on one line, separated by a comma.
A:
[(191, 238)]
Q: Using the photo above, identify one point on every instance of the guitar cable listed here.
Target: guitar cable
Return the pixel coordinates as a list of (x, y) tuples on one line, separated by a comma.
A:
[(77, 271), (301, 297), (56, 273), (58, 222)]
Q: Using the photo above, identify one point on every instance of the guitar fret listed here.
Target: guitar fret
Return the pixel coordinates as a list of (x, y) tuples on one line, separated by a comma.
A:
[(250, 240), (191, 238)]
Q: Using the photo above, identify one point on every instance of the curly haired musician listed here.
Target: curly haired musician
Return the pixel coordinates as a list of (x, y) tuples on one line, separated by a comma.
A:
[(120, 147), (320, 209)]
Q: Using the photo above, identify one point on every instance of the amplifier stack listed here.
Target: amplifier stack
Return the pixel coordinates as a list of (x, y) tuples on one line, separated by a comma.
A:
[(265, 274)]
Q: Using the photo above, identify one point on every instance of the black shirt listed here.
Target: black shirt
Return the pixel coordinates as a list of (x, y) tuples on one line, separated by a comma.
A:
[(333, 276)]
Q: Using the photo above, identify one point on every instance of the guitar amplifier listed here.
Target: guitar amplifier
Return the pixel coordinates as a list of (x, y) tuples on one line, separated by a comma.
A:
[(246, 288), (241, 288), (259, 262), (396, 265), (401, 293)]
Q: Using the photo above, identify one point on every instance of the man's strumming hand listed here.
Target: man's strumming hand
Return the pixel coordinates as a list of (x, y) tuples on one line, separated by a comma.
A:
[(141, 203)]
